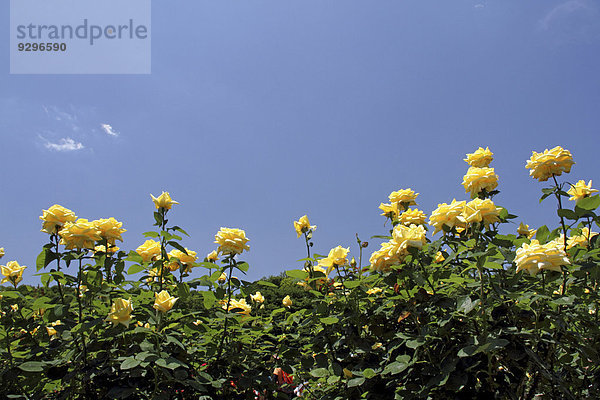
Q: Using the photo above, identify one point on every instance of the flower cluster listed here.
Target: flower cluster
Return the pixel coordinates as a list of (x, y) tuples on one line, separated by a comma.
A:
[(241, 306), (186, 259), (400, 200), (480, 176), (393, 251)]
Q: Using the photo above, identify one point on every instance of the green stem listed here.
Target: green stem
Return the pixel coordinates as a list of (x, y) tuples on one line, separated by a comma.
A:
[(80, 308), (60, 291), (231, 264), (163, 247), (564, 228)]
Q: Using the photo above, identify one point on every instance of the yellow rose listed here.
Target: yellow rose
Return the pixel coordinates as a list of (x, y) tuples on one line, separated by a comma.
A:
[(337, 257), (163, 201), (403, 198), (535, 257), (231, 241), (382, 259), (374, 290), (582, 239), (480, 158), (2, 252), (389, 210), (404, 237), (478, 179), (449, 215), (212, 256), (13, 272), (439, 257), (14, 307), (484, 211), (51, 329), (411, 216), (302, 226), (153, 275), (186, 259), (523, 229), (580, 190), (257, 298), (241, 305), (550, 162), (81, 234), (102, 249), (287, 301), (55, 217), (222, 278), (149, 250), (120, 312), (163, 301), (109, 229)]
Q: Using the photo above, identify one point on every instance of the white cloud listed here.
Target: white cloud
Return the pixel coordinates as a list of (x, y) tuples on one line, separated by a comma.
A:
[(64, 144), (109, 130)]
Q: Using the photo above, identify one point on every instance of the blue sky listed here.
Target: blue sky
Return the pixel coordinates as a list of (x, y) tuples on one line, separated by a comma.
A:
[(258, 112)]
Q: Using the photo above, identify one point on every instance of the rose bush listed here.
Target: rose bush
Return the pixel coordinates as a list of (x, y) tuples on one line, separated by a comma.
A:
[(476, 308)]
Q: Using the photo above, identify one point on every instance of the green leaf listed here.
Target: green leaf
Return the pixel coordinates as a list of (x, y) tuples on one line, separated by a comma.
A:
[(589, 203), (151, 234), (465, 304), (356, 382), (319, 372), (297, 273), (468, 351), (208, 299), (395, 368), (179, 229), (32, 366), (369, 373), (177, 246), (329, 320), (135, 268), (129, 363), (183, 290), (243, 266), (268, 284), (134, 257), (568, 214), (542, 234), (169, 363), (351, 284), (44, 258)]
